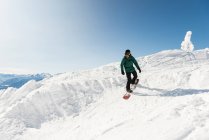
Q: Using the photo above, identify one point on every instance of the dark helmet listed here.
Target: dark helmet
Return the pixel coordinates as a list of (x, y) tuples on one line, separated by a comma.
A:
[(127, 52)]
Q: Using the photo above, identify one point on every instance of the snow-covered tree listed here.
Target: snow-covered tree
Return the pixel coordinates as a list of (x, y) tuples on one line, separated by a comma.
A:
[(186, 44)]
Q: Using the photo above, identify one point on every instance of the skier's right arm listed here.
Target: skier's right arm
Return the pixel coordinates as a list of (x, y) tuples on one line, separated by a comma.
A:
[(121, 66)]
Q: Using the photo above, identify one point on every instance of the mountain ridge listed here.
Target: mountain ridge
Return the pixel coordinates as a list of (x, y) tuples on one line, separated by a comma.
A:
[(16, 80)]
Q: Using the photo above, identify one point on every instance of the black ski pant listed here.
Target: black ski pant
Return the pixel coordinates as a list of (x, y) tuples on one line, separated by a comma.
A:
[(130, 80)]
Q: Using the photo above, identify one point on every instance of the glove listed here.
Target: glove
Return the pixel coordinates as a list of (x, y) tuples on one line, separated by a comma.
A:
[(140, 71), (122, 72)]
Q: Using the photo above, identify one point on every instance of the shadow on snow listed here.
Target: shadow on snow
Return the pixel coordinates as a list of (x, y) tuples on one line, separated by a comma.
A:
[(173, 93)]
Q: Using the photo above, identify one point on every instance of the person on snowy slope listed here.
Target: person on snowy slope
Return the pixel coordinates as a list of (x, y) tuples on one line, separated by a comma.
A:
[(127, 63)]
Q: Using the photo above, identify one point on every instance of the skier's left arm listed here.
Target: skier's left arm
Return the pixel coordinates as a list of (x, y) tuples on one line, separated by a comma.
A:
[(136, 64)]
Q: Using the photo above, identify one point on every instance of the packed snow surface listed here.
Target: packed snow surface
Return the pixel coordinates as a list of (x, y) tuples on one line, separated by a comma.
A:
[(171, 102)]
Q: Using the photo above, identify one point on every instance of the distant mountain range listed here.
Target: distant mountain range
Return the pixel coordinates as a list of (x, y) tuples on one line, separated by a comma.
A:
[(16, 81)]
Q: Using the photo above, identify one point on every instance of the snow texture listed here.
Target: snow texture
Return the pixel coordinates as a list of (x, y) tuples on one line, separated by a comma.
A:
[(187, 45), (171, 102)]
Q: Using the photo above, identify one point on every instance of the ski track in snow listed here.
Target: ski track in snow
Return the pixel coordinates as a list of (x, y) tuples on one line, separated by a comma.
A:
[(170, 103)]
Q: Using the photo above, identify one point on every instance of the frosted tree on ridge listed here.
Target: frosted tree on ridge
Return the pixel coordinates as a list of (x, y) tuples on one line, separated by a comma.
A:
[(186, 44)]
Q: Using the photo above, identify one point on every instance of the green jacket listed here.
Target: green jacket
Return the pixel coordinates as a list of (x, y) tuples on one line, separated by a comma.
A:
[(127, 63)]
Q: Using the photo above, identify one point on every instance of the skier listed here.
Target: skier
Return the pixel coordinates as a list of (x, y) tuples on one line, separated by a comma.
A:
[(127, 63)]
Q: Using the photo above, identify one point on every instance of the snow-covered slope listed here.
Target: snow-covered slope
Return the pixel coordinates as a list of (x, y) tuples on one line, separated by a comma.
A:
[(170, 103)]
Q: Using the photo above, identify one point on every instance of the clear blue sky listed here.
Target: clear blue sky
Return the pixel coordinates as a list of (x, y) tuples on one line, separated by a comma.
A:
[(69, 35)]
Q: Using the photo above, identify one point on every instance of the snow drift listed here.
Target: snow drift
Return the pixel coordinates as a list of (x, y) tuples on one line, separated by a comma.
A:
[(171, 102)]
